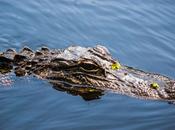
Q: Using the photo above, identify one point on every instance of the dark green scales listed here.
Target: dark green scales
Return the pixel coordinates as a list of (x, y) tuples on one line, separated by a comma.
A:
[(86, 72)]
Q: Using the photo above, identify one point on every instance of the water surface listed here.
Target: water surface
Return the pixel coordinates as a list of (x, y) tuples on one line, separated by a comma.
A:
[(138, 33)]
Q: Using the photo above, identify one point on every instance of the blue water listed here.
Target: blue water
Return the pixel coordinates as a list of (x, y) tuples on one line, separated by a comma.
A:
[(138, 33)]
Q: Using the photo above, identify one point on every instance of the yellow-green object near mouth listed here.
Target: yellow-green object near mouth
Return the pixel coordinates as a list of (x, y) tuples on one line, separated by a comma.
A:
[(154, 85), (115, 66)]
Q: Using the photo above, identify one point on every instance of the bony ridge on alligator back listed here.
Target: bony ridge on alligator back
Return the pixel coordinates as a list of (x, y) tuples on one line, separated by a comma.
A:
[(84, 70)]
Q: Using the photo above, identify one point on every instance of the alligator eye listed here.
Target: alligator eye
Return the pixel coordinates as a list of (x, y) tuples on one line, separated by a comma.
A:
[(89, 67)]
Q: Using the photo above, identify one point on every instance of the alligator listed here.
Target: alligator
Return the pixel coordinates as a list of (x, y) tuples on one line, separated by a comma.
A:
[(87, 71)]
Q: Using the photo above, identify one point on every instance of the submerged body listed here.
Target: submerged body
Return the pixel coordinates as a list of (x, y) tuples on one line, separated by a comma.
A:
[(81, 70)]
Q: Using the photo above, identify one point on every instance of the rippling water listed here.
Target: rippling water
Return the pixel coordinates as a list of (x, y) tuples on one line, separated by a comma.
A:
[(139, 33)]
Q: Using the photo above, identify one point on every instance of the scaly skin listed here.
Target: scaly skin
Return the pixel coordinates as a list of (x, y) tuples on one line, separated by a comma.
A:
[(86, 71)]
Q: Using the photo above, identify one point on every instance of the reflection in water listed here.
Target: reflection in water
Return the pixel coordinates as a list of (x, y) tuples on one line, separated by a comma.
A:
[(87, 93)]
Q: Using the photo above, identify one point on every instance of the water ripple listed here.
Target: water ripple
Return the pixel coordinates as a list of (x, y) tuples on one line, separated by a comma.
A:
[(138, 33)]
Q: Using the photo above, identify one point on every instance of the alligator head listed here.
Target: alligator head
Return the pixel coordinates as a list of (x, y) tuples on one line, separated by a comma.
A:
[(87, 72)]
